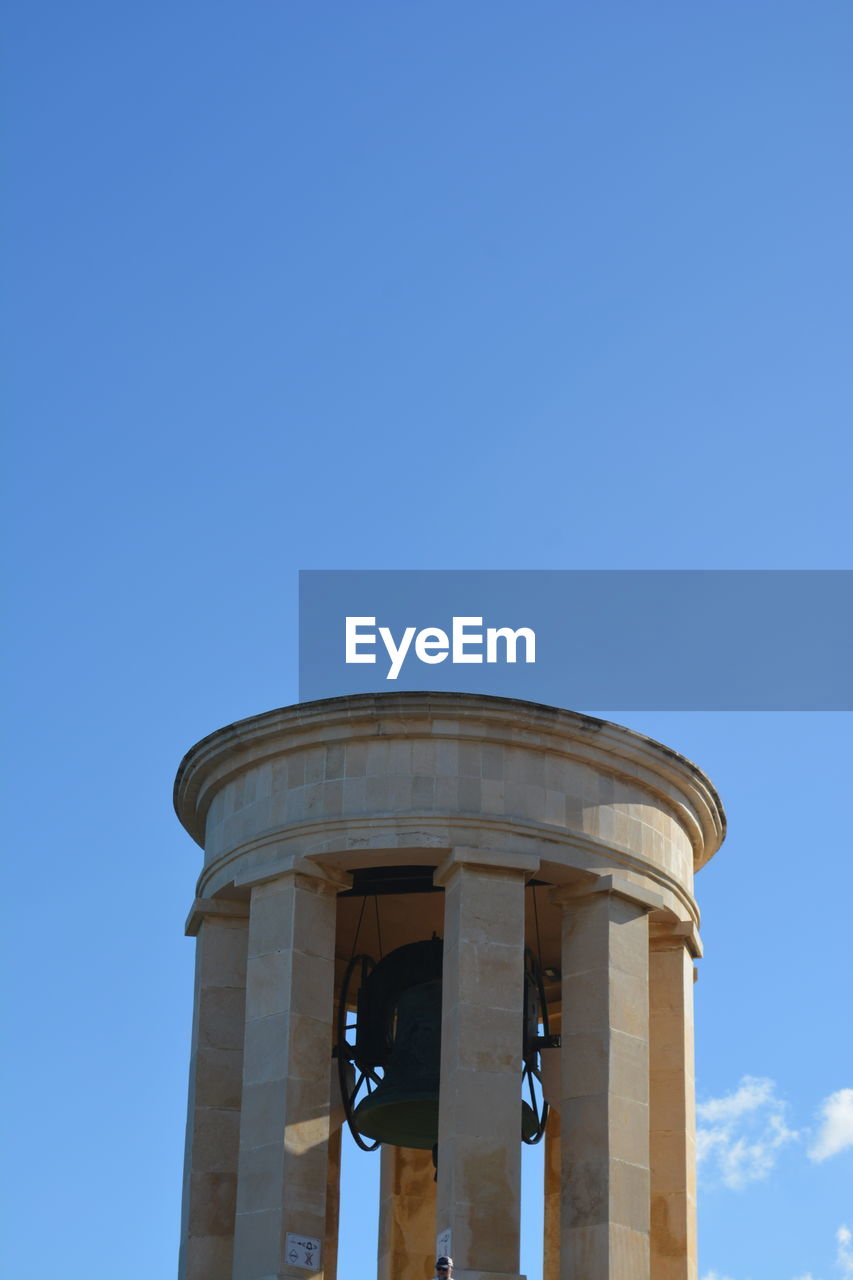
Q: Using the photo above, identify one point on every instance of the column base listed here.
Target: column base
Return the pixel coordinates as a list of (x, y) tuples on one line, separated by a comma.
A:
[(459, 1273)]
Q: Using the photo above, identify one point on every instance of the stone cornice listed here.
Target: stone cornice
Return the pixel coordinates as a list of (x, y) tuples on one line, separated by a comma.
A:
[(363, 717)]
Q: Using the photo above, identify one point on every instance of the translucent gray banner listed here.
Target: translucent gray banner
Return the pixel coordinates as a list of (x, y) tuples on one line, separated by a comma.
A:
[(627, 640)]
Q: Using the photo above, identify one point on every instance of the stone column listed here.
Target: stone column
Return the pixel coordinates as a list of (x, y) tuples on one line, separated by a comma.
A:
[(551, 1192), (672, 1103), (284, 1131), (479, 1128), (406, 1214), (552, 1173), (604, 1110), (216, 1070), (333, 1207), (337, 1120)]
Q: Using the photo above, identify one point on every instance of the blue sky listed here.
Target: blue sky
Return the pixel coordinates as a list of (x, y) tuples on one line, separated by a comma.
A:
[(406, 286)]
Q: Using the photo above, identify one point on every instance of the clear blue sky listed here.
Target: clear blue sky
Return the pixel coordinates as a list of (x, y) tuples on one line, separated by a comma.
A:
[(368, 285)]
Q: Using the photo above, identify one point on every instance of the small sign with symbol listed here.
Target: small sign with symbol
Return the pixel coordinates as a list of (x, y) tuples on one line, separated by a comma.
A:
[(442, 1243), (302, 1251)]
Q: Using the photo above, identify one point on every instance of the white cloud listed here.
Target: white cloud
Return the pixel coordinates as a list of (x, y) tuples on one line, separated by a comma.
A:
[(715, 1275), (753, 1092), (843, 1257), (836, 1131), (741, 1133)]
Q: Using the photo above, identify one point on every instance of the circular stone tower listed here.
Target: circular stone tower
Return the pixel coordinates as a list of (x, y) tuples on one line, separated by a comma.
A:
[(504, 828)]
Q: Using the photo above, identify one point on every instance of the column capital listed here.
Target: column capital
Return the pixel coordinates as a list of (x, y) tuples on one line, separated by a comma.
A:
[(615, 885), (485, 860), (224, 908), (314, 874), (666, 935)]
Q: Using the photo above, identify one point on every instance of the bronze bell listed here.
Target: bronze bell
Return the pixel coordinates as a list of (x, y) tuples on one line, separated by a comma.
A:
[(398, 1029), (398, 1032), (403, 1109)]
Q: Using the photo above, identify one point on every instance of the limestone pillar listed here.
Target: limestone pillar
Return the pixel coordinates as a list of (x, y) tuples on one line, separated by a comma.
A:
[(551, 1190), (672, 1106), (216, 1069), (604, 1110), (406, 1214), (337, 1120), (333, 1207), (552, 1180), (284, 1131), (479, 1127)]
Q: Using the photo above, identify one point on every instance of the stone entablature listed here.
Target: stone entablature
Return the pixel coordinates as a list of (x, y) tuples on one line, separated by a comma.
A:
[(410, 772)]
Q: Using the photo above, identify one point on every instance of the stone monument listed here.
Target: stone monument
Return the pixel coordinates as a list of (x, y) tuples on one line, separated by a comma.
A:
[(508, 830)]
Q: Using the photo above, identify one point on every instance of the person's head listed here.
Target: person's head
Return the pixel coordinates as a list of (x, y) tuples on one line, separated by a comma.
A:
[(444, 1268)]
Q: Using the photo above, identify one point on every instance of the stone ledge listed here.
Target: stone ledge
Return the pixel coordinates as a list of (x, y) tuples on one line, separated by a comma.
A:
[(664, 937), (487, 860), (616, 885), (223, 908)]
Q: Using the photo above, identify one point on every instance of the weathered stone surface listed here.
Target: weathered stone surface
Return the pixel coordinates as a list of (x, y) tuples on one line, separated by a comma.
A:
[(213, 1117), (406, 1214), (672, 1111), (480, 1160), (605, 1131), (284, 1133)]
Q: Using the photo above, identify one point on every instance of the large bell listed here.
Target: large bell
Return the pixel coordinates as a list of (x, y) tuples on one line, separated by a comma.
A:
[(399, 1029), (403, 1109)]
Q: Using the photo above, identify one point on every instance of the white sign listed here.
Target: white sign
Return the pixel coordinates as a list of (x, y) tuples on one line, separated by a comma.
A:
[(442, 1243), (302, 1251)]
